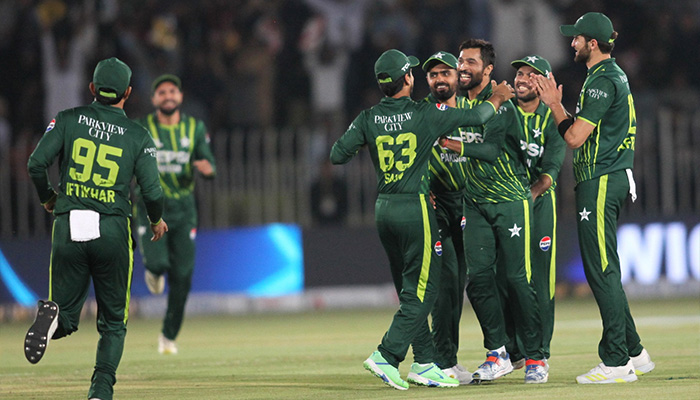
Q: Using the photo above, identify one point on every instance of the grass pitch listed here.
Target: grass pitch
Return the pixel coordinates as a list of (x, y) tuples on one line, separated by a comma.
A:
[(319, 355)]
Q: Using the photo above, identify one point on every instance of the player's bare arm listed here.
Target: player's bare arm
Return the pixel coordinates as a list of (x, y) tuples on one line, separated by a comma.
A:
[(578, 131)]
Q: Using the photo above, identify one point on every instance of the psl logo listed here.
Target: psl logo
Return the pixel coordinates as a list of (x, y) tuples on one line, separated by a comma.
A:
[(438, 248)]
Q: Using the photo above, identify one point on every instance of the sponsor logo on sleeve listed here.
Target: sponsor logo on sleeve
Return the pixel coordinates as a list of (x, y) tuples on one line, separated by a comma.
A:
[(463, 223)]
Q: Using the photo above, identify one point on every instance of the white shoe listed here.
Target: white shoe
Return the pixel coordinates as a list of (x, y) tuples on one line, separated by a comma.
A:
[(642, 363), (496, 365), (166, 346), (460, 373), (604, 374), (536, 371), (155, 283)]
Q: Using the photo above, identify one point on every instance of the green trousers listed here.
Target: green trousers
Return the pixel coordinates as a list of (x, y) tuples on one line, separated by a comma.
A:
[(408, 231), (108, 261), (447, 310), (598, 203), (497, 248), (173, 255), (543, 255)]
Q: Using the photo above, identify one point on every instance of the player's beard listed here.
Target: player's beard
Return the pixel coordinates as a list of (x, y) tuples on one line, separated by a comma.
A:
[(528, 97), (443, 95), (582, 56), (476, 79), (169, 111)]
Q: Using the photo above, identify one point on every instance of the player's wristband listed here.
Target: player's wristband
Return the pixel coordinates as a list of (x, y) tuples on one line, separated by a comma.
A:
[(564, 126), (159, 221)]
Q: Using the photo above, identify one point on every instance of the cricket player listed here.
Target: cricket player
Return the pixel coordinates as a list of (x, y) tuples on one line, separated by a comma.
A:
[(498, 210), (544, 153), (100, 152), (183, 149), (400, 134), (603, 134), (447, 180)]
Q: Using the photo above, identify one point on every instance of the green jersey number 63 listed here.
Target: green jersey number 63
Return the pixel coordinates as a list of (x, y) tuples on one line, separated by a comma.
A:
[(389, 159)]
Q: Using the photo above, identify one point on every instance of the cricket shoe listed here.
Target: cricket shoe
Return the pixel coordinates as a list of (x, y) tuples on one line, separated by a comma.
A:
[(430, 375), (379, 367), (496, 365), (642, 363), (536, 371), (155, 283), (460, 373), (604, 374), (39, 334), (166, 346)]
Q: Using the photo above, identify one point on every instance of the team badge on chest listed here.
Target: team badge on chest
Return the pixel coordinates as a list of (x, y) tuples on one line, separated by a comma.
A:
[(185, 142)]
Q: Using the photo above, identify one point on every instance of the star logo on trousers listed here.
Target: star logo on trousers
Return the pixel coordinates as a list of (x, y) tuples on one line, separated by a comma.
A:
[(515, 230), (584, 214)]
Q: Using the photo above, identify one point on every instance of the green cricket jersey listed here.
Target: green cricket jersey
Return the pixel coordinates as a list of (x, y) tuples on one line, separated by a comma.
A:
[(606, 103), (100, 151), (446, 169), (178, 145), (400, 133), (543, 146), (495, 165)]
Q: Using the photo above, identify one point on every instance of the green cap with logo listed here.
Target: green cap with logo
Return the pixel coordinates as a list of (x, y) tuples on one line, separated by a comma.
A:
[(395, 64), (540, 64), (166, 78), (111, 77), (440, 57), (593, 24)]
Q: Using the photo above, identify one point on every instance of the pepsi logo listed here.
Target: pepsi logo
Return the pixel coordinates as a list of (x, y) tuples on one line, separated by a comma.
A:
[(438, 248), (441, 107), (463, 223), (545, 243)]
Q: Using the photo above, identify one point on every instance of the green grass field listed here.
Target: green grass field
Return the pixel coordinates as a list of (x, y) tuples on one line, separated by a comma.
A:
[(318, 355)]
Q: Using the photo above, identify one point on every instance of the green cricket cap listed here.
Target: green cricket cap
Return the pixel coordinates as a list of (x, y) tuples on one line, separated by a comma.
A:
[(540, 64), (595, 25), (394, 63), (440, 57), (166, 78), (111, 77)]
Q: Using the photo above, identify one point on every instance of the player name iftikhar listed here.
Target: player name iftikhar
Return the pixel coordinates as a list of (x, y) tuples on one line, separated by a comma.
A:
[(392, 122), (100, 129)]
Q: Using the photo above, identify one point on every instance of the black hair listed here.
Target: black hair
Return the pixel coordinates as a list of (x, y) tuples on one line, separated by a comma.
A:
[(488, 53), (605, 47), (391, 88)]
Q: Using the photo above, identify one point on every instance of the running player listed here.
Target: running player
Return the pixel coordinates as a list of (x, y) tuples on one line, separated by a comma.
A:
[(101, 151), (400, 133), (183, 149), (603, 135)]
